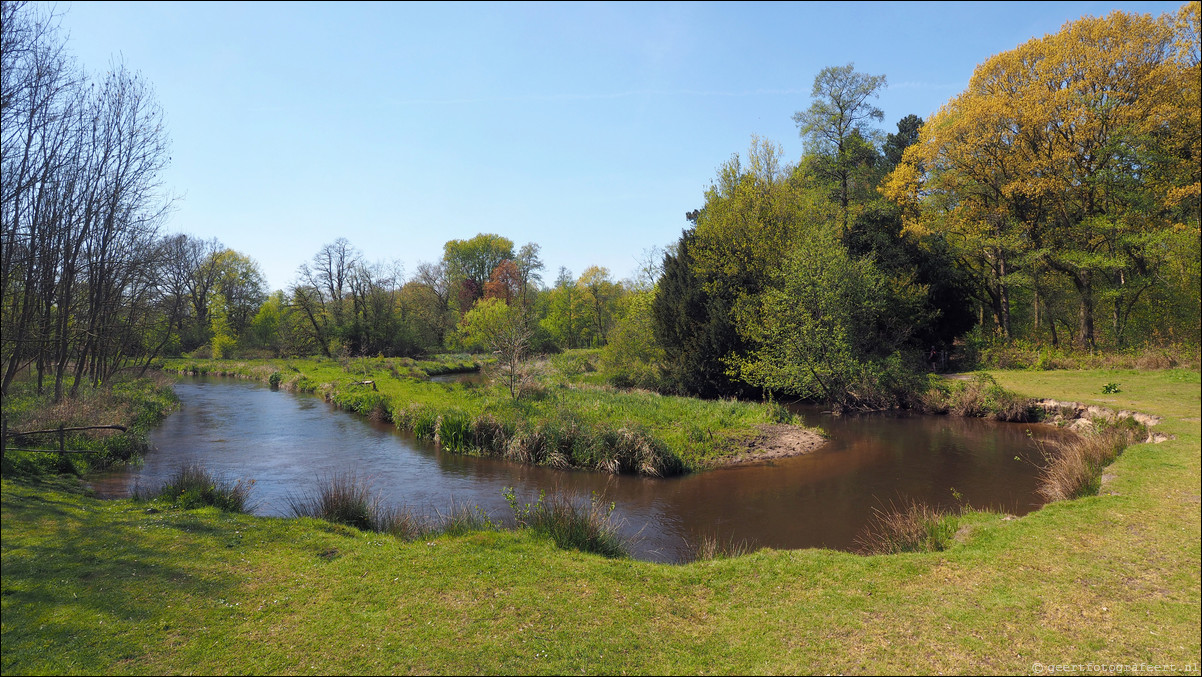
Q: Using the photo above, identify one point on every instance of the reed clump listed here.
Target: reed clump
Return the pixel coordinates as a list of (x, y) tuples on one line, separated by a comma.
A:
[(195, 486), (571, 522), (1073, 468), (912, 527)]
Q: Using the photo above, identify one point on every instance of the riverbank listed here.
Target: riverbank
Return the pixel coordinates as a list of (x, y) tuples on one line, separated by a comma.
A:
[(562, 422), (106, 587), (135, 404)]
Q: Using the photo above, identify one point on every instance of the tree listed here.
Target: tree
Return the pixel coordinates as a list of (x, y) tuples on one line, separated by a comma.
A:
[(528, 264), (835, 126), (1054, 159), (823, 328), (601, 294), (502, 330), (473, 261), (242, 288), (565, 320), (693, 328), (80, 205), (506, 283), (632, 356), (895, 145)]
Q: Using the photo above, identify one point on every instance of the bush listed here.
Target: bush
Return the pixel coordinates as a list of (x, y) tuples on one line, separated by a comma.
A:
[(982, 397)]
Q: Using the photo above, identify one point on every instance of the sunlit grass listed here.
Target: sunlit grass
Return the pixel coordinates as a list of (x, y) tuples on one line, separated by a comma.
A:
[(1112, 579), (566, 425)]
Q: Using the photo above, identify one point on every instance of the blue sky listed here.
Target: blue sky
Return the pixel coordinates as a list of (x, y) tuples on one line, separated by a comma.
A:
[(587, 128)]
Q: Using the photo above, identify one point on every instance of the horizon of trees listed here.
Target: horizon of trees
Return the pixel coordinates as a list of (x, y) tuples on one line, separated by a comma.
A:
[(1055, 201)]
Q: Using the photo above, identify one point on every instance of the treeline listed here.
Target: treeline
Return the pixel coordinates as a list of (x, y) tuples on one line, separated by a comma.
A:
[(79, 208), (1053, 203)]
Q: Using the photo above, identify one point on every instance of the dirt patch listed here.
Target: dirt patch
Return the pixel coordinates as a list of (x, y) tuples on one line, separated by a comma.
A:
[(777, 441)]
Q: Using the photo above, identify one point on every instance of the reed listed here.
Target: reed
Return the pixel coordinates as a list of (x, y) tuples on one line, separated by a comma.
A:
[(571, 522), (912, 527), (195, 486)]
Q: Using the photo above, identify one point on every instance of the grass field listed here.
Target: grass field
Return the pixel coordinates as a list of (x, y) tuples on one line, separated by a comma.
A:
[(1110, 580)]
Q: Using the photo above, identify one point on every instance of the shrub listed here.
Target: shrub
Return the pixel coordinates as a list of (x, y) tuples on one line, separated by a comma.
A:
[(983, 397)]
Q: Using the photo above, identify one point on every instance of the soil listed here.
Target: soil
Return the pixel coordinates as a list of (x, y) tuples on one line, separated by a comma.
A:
[(777, 441)]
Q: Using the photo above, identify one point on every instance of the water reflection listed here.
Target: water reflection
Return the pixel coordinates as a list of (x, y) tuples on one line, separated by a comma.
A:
[(287, 442)]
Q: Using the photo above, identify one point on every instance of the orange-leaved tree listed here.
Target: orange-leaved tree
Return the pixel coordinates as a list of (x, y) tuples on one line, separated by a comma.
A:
[(1064, 156)]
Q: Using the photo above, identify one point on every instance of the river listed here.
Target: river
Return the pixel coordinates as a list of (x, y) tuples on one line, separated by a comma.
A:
[(289, 442)]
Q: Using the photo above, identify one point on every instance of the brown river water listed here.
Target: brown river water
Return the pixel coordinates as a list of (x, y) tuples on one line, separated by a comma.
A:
[(289, 442)]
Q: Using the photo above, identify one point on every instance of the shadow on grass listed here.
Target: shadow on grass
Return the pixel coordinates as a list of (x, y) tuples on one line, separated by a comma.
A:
[(92, 582)]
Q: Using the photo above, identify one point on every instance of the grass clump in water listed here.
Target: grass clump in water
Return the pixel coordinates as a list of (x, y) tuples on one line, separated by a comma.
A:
[(914, 527), (570, 522), (195, 486)]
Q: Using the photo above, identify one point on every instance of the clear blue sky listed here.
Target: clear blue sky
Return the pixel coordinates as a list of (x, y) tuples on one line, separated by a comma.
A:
[(587, 128)]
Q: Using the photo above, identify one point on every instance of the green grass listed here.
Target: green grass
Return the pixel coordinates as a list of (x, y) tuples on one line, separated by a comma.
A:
[(565, 424), (136, 403), (95, 586)]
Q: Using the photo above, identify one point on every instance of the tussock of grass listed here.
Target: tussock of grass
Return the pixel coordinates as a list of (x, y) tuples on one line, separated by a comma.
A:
[(194, 486), (571, 522), (344, 498), (711, 548), (913, 527)]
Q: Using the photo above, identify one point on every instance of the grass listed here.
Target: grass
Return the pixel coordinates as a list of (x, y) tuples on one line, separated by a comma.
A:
[(1113, 579), (136, 403), (913, 527), (194, 486), (568, 425), (571, 523)]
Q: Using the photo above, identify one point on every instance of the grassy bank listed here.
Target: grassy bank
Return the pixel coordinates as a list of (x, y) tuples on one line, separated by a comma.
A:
[(138, 404), (562, 423), (1112, 579)]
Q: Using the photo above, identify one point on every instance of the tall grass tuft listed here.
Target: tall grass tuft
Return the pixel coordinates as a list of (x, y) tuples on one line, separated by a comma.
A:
[(914, 527), (343, 498), (983, 397), (1074, 468), (346, 498), (711, 548), (194, 486), (571, 522), (461, 519)]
